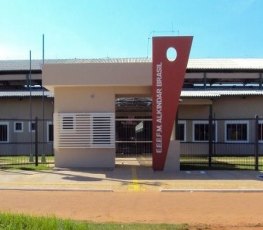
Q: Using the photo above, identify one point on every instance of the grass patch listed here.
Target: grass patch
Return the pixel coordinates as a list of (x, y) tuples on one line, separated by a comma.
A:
[(28, 167), (20, 222), (24, 159), (26, 163)]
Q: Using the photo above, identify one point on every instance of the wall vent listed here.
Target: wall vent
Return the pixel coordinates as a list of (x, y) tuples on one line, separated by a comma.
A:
[(84, 130)]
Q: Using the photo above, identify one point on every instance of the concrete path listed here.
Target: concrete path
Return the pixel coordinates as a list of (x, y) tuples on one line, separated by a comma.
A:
[(131, 178)]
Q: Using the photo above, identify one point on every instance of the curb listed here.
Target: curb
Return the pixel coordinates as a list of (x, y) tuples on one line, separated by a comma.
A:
[(213, 190), (56, 190)]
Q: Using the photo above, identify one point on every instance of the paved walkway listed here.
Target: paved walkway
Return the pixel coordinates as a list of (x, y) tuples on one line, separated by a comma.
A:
[(132, 177)]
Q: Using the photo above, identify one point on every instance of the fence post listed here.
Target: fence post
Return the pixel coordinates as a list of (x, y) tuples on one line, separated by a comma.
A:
[(210, 135), (36, 141), (256, 143)]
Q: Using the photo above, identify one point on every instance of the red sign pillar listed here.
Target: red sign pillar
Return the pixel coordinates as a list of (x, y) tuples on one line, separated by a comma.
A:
[(167, 81)]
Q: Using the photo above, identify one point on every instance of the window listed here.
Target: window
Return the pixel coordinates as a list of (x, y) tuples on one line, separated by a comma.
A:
[(18, 127), (181, 131), (260, 131), (4, 132), (32, 126), (50, 136), (236, 131), (201, 131)]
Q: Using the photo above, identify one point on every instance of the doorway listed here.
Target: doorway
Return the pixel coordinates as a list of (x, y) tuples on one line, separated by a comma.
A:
[(133, 131)]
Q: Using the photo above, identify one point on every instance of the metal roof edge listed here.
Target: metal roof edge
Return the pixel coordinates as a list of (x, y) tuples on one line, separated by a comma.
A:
[(194, 64)]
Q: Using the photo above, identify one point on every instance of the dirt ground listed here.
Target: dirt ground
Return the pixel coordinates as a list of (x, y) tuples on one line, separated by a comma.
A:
[(201, 210)]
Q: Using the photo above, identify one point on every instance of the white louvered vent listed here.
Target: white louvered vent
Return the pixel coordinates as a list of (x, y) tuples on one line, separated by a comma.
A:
[(84, 130)]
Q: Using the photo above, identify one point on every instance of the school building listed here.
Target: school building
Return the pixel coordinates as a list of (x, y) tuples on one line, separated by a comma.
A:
[(102, 108)]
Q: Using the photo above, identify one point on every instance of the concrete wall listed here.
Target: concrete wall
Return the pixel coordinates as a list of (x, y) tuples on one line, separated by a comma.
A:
[(227, 107), (19, 108), (85, 158), (72, 94), (97, 74), (84, 99), (19, 77), (89, 99), (233, 75), (92, 99), (238, 107)]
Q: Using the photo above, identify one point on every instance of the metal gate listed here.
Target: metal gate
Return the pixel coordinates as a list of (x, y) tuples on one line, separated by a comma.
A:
[(134, 139)]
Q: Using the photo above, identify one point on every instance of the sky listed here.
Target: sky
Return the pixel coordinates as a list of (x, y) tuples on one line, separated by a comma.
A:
[(124, 28)]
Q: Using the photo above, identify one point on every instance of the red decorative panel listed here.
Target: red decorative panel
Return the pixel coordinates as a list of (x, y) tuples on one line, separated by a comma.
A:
[(167, 82)]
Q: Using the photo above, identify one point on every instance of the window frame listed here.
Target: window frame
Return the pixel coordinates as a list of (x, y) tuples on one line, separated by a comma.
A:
[(7, 135), (22, 127), (205, 122), (227, 122), (50, 123), (183, 122), (260, 122), (30, 126)]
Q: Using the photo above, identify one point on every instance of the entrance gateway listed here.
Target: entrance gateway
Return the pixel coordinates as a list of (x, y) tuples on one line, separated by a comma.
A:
[(84, 103), (133, 118)]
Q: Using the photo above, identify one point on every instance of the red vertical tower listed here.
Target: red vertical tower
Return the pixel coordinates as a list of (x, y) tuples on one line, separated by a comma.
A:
[(167, 81)]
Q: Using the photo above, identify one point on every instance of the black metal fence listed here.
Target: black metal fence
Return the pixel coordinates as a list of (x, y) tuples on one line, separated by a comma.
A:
[(222, 144), (26, 142), (205, 143)]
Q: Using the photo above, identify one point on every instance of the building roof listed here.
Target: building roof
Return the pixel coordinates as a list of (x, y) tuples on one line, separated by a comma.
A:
[(20, 65), (196, 93), (193, 64), (130, 103), (226, 64)]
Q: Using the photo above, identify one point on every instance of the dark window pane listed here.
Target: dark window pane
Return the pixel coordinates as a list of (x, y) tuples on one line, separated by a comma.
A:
[(33, 126), (201, 132), (237, 132), (206, 132), (197, 132), (50, 132), (260, 132), (181, 132), (3, 133), (18, 126)]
